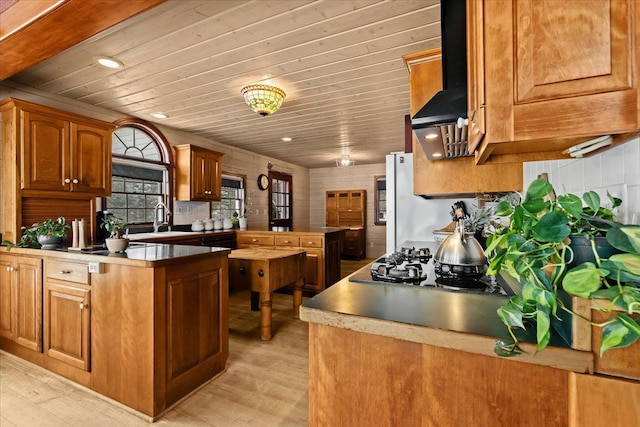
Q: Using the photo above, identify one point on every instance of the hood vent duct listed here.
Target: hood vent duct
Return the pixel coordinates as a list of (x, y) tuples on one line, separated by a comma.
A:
[(441, 125)]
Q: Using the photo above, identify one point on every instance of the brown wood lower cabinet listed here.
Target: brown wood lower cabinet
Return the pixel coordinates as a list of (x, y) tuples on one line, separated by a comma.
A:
[(403, 383), (67, 314), (354, 245), (323, 252), (21, 300), (145, 334)]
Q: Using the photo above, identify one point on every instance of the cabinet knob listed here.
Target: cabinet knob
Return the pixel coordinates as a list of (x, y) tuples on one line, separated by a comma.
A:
[(82, 306), (10, 268), (260, 273), (75, 181), (254, 240), (310, 243), (67, 181), (243, 270), (287, 241)]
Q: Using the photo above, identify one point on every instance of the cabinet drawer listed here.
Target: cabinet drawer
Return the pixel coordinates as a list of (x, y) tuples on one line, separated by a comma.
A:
[(287, 241), (67, 271), (311, 241), (248, 239)]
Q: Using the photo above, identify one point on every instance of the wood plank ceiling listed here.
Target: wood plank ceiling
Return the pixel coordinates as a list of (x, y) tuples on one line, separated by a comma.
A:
[(339, 62)]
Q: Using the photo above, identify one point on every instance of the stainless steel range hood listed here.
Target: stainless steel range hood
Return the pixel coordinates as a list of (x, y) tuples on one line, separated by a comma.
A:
[(440, 125)]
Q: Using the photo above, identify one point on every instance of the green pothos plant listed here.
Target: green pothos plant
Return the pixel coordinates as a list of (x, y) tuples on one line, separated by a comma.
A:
[(535, 248)]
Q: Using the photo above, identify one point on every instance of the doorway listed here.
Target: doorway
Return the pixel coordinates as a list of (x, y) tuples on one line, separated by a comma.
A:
[(281, 206)]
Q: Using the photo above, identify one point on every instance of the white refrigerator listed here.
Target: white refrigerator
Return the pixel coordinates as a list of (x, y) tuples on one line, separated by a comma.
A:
[(411, 217)]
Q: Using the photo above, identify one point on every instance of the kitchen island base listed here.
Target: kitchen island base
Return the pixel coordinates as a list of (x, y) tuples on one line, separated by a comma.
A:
[(145, 328), (402, 383), (265, 270)]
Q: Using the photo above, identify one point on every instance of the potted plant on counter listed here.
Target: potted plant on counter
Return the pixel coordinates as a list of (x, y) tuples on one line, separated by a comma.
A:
[(242, 218), (46, 234), (115, 226), (538, 249)]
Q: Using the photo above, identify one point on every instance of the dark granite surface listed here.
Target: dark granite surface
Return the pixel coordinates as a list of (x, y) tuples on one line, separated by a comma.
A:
[(433, 308)]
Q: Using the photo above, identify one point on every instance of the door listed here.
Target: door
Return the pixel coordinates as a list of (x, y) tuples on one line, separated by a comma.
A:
[(281, 206)]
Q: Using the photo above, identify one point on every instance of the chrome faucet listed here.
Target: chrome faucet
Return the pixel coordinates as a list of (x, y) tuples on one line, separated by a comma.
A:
[(165, 217)]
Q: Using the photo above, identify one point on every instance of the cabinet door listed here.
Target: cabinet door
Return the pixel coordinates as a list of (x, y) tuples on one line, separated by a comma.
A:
[(29, 303), (571, 75), (213, 178), (194, 320), (45, 145), (331, 209), (91, 159), (7, 272), (596, 400), (68, 316), (357, 200), (21, 301), (199, 179), (475, 74), (314, 269)]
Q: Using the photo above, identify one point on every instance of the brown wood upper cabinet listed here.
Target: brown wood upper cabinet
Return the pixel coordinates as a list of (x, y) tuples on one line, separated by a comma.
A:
[(58, 151), (546, 75), (199, 173), (459, 176)]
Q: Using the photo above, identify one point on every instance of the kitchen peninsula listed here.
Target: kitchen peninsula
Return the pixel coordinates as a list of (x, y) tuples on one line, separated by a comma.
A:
[(145, 327), (414, 356)]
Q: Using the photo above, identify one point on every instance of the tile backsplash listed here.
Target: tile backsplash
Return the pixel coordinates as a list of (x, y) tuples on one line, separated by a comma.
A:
[(616, 170)]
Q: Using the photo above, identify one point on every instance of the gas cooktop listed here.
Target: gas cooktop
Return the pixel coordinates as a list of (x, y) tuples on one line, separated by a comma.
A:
[(414, 266)]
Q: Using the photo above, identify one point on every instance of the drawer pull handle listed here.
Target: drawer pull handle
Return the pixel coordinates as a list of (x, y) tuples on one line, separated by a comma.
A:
[(65, 271), (287, 241), (310, 243), (254, 240)]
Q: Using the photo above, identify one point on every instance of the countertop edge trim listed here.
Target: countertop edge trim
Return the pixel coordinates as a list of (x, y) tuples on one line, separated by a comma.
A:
[(560, 358)]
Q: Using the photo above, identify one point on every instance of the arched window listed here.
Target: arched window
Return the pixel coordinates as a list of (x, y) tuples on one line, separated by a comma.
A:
[(141, 172)]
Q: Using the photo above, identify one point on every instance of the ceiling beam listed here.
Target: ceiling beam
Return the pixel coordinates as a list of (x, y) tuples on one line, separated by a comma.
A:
[(34, 31)]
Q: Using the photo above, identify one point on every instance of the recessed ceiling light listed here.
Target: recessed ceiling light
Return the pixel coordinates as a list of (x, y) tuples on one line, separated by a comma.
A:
[(432, 135), (108, 62), (286, 138), (159, 115)]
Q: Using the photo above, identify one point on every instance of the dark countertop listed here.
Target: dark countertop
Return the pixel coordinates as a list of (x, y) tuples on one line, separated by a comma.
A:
[(438, 317), (324, 230), (140, 254)]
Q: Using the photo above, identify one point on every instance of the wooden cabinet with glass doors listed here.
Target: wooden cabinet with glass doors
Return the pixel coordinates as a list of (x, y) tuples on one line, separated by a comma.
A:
[(348, 209)]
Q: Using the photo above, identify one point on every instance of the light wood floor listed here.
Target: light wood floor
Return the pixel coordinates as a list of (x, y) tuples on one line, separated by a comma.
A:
[(265, 384)]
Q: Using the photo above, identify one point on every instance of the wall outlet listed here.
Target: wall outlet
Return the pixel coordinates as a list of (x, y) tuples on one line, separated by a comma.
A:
[(189, 209), (179, 210), (96, 267)]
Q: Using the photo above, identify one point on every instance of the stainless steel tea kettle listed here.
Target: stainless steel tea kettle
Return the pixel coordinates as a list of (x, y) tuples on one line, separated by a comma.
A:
[(460, 248)]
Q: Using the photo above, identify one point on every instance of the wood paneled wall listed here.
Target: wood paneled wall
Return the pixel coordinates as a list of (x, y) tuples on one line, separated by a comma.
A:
[(359, 176), (235, 160)]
